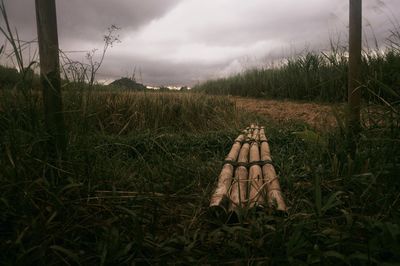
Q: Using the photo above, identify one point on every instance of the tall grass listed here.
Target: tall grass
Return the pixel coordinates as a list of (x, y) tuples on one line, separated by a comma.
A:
[(164, 151), (122, 112), (313, 76)]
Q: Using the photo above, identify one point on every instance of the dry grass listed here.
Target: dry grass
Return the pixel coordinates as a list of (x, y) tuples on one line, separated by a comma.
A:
[(317, 115)]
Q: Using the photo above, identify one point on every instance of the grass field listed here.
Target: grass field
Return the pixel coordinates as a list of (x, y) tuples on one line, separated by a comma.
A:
[(134, 184), (140, 169)]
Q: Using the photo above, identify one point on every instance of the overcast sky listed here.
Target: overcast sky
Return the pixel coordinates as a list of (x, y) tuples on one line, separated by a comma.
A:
[(182, 42)]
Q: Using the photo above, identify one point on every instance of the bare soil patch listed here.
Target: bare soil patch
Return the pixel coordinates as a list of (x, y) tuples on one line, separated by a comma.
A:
[(317, 115)]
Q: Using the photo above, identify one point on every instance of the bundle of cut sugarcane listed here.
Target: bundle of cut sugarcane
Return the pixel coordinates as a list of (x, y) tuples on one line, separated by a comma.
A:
[(248, 178)]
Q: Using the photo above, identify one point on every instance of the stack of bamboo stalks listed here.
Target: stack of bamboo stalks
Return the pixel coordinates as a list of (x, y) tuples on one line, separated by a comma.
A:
[(248, 178)]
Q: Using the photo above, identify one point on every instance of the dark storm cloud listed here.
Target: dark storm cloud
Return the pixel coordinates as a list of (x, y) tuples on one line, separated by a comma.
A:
[(185, 41), (87, 20)]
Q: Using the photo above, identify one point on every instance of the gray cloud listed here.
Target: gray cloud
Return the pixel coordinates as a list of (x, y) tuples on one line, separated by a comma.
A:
[(185, 41), (158, 72), (88, 19)]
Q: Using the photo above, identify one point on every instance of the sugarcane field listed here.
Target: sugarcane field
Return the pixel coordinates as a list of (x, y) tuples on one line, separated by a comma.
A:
[(199, 132)]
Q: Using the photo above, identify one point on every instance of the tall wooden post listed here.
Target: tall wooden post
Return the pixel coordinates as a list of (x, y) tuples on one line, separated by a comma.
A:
[(46, 20), (354, 74)]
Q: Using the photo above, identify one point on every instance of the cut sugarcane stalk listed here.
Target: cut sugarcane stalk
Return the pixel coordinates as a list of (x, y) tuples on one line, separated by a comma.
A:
[(275, 198), (239, 186), (256, 191), (220, 195)]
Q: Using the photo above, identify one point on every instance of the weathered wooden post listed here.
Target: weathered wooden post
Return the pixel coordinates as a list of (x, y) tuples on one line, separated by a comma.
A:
[(46, 20), (354, 74)]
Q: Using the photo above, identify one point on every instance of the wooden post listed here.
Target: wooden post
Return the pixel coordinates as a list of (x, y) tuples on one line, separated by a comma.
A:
[(354, 74), (46, 20)]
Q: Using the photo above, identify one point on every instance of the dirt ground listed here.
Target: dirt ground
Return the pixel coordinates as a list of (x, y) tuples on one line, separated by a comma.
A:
[(317, 115)]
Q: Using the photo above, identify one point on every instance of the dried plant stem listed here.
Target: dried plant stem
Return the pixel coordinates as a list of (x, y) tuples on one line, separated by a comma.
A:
[(275, 198), (220, 195), (248, 178), (239, 186), (256, 195)]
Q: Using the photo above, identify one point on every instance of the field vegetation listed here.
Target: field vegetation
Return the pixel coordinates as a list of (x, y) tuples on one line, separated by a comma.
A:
[(140, 168), (320, 76), (135, 182)]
